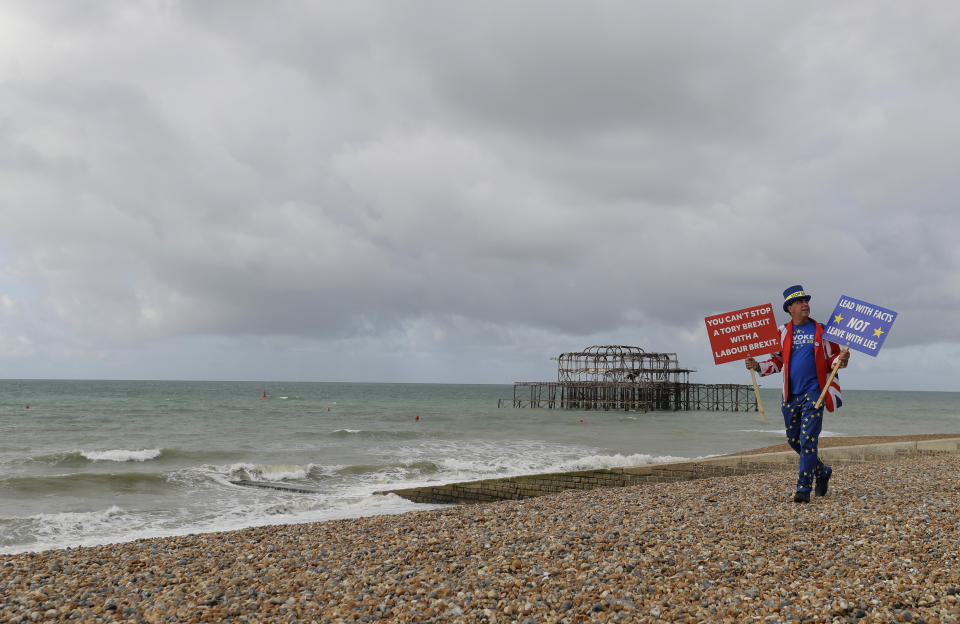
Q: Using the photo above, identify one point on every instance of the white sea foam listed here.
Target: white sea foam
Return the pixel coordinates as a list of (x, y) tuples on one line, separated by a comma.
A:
[(281, 471), (275, 472), (69, 521), (58, 530), (465, 468), (115, 525), (308, 508), (483, 458), (122, 455), (593, 462)]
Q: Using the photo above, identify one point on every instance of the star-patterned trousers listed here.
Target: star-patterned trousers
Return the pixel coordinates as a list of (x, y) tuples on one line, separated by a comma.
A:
[(803, 423)]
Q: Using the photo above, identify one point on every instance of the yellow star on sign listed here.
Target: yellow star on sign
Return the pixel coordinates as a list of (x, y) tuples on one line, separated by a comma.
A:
[(877, 332), (838, 318)]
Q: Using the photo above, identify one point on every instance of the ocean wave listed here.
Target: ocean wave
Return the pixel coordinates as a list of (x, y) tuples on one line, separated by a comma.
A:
[(296, 506), (77, 482), (592, 462), (122, 455), (375, 434), (397, 469), (588, 462), (79, 458), (460, 460), (277, 472), (823, 434), (57, 530), (775, 431), (516, 466), (114, 524), (391, 472), (71, 521), (304, 509), (53, 459)]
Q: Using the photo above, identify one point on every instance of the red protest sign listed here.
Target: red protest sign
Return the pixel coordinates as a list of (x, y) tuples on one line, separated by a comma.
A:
[(742, 333)]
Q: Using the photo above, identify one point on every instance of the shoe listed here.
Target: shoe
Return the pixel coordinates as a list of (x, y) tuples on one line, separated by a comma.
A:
[(821, 489), (801, 497)]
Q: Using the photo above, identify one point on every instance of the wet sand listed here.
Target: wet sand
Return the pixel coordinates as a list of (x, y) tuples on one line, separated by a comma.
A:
[(882, 546)]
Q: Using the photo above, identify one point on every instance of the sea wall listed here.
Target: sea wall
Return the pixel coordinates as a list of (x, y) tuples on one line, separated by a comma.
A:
[(529, 486)]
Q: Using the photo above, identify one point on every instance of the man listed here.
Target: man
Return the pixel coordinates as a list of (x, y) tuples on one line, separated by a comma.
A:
[(806, 360)]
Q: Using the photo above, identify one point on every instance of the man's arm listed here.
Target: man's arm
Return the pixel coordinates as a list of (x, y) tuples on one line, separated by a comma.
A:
[(766, 367)]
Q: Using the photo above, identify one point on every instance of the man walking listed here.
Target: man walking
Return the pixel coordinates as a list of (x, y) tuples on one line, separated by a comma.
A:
[(806, 360)]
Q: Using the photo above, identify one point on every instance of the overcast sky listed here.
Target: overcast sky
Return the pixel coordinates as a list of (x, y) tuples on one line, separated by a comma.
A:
[(457, 191)]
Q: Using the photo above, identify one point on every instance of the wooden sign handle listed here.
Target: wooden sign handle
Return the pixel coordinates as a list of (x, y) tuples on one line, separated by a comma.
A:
[(826, 387), (756, 391)]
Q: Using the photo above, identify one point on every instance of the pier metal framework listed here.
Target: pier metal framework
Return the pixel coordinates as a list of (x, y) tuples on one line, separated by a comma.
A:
[(620, 364), (618, 377)]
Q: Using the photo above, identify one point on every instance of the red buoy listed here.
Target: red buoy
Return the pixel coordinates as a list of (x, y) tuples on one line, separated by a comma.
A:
[(264, 394), (417, 417)]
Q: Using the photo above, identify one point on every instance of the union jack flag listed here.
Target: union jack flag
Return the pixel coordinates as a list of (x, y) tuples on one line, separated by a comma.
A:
[(825, 354)]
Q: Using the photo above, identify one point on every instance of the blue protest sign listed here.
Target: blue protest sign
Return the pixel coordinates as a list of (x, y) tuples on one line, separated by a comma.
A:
[(859, 325)]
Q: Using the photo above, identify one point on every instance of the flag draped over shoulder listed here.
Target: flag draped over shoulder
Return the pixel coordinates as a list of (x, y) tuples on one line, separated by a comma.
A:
[(825, 355)]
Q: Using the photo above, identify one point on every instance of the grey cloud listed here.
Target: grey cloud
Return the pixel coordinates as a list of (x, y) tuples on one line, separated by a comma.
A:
[(451, 178)]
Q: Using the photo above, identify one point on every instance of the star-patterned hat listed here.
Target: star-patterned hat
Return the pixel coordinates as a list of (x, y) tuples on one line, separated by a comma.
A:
[(792, 294)]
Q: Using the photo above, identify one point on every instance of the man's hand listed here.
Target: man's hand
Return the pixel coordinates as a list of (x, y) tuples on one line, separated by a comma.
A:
[(843, 358), (752, 363)]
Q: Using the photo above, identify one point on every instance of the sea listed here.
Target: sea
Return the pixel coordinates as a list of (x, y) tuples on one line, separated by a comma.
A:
[(94, 462)]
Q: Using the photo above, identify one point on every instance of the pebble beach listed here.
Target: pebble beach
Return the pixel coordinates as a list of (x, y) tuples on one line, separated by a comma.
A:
[(882, 546)]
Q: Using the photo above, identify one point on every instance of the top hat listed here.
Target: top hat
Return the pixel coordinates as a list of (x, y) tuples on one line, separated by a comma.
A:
[(792, 294)]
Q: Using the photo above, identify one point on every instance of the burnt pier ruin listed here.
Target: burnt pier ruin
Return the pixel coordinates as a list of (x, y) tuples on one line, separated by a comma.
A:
[(616, 377)]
